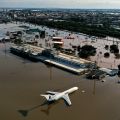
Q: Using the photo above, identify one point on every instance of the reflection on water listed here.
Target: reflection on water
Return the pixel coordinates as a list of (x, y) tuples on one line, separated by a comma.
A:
[(49, 105), (46, 111), (94, 87), (24, 112)]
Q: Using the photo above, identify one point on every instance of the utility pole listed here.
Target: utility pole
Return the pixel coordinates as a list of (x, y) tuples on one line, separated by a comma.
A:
[(50, 62)]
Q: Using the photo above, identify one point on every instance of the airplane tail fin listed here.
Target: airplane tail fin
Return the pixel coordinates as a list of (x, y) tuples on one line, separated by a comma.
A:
[(46, 96)]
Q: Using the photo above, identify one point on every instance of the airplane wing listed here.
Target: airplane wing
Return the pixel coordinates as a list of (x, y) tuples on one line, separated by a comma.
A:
[(67, 99), (52, 93), (46, 96)]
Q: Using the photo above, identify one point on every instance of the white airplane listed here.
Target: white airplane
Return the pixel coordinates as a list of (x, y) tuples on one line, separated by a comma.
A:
[(54, 96)]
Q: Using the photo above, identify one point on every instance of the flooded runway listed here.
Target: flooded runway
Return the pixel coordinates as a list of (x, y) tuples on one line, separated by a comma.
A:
[(22, 82)]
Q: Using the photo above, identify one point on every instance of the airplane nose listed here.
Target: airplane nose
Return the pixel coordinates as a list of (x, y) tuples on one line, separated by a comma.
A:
[(76, 88)]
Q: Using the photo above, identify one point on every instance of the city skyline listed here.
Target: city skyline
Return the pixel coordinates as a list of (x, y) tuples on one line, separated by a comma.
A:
[(90, 4)]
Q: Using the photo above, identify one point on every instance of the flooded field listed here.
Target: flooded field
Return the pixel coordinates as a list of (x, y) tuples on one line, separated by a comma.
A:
[(22, 82), (79, 39)]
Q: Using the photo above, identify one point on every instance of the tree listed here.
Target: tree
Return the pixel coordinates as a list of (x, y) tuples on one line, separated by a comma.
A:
[(114, 49), (106, 47), (19, 32), (17, 41), (118, 70), (86, 51), (36, 36), (106, 55)]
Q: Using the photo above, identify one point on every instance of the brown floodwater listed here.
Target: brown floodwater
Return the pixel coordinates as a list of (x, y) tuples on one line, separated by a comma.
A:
[(22, 82)]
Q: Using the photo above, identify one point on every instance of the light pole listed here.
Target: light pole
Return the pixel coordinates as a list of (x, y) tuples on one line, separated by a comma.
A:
[(50, 62)]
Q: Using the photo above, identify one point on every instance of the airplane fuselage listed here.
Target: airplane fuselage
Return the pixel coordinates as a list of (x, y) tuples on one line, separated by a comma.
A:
[(59, 95), (52, 96)]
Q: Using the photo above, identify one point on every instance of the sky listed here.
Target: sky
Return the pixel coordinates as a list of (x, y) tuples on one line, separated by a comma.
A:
[(90, 4)]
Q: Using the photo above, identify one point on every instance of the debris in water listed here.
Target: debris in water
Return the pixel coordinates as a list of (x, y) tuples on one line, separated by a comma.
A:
[(83, 91), (103, 80)]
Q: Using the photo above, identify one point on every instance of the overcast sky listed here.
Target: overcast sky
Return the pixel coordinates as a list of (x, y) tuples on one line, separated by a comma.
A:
[(61, 3)]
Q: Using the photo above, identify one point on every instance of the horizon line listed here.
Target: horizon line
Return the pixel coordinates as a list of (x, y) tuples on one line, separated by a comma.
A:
[(59, 8)]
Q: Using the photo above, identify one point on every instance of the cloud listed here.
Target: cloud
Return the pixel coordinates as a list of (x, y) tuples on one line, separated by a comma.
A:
[(61, 3)]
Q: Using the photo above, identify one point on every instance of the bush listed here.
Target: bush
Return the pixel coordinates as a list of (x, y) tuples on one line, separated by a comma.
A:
[(117, 56), (78, 48), (119, 66), (106, 55), (100, 52)]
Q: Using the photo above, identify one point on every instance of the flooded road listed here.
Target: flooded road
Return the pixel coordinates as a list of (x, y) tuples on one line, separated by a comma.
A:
[(22, 82)]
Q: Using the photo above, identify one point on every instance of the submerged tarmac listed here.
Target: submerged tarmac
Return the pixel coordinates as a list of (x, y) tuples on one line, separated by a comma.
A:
[(22, 82)]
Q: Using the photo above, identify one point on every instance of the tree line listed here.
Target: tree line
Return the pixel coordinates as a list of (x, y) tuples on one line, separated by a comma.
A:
[(91, 30)]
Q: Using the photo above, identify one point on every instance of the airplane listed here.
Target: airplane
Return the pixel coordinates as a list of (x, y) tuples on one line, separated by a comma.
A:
[(54, 96)]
